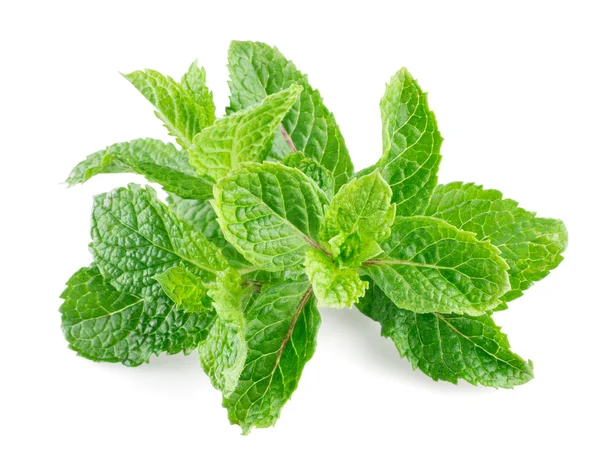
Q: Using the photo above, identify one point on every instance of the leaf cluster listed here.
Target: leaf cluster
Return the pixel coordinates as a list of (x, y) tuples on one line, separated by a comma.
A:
[(266, 222)]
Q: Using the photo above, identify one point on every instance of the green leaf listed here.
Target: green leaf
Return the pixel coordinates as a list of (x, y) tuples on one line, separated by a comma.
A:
[(333, 287), (256, 71), (135, 237), (180, 109), (531, 246), (105, 325), (449, 346), (202, 218), (194, 81), (186, 289), (244, 136), (359, 217), (158, 161), (223, 353), (281, 329), (313, 170), (411, 144), (431, 266), (270, 213)]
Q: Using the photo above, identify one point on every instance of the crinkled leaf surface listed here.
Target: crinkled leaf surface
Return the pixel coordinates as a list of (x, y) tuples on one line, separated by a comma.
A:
[(429, 265), (103, 324), (359, 217), (201, 217), (180, 109), (449, 346), (333, 287), (159, 162), (531, 246), (223, 353), (411, 144), (312, 169), (270, 213), (244, 136), (135, 237), (194, 81), (257, 70), (281, 330), (185, 288)]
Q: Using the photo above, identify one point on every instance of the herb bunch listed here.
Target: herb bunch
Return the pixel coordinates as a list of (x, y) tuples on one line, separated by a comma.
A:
[(266, 221)]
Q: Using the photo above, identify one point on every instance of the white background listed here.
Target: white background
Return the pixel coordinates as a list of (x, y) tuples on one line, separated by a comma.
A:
[(515, 88)]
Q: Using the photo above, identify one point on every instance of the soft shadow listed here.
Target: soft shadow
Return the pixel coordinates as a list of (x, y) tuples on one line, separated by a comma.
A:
[(375, 351)]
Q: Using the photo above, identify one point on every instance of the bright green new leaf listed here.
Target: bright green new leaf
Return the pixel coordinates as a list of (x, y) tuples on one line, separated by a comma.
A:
[(411, 144), (321, 176), (429, 265), (256, 71), (185, 288), (194, 81), (531, 246), (270, 213), (105, 325), (281, 331), (184, 112), (244, 136), (449, 346), (223, 353), (358, 219), (159, 162), (333, 287)]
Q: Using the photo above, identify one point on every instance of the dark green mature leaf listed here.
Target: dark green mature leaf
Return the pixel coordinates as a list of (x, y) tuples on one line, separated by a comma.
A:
[(358, 219), (184, 110), (159, 162), (201, 217), (244, 136), (531, 246), (411, 144), (135, 237), (429, 265), (256, 71), (270, 213), (281, 329), (449, 346), (105, 325)]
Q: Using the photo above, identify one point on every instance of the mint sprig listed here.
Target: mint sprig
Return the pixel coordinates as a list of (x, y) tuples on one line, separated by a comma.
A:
[(265, 222)]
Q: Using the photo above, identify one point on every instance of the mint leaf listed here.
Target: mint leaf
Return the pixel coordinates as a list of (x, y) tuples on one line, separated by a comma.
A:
[(159, 162), (449, 346), (281, 330), (243, 136), (429, 265), (333, 287), (411, 144), (223, 353), (313, 170), (135, 237), (186, 289), (270, 213), (194, 81), (359, 217), (180, 109), (202, 218), (531, 246), (256, 71), (105, 325)]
